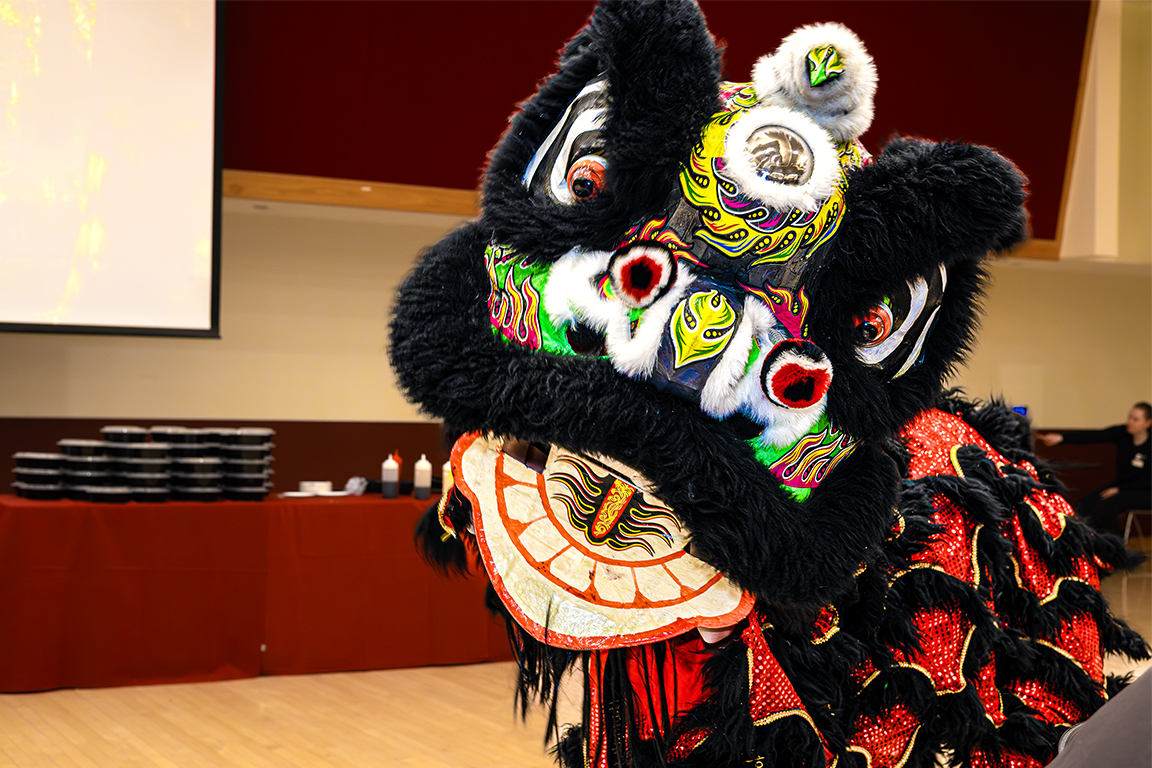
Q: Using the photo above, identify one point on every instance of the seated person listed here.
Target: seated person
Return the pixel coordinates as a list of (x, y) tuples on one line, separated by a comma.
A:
[(1132, 488)]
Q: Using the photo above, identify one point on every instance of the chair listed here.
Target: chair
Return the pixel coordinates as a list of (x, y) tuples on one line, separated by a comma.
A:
[(1131, 521)]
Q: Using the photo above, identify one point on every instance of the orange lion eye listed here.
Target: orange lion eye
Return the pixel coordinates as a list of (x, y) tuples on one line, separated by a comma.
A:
[(874, 326), (586, 177)]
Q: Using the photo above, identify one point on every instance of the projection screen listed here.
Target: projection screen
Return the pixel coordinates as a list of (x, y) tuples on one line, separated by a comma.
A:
[(109, 174)]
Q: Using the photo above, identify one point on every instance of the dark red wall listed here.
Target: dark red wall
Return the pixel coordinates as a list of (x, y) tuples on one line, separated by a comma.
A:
[(418, 92)]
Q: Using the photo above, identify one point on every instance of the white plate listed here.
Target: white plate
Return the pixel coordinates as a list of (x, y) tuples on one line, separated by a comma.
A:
[(331, 493), (297, 494)]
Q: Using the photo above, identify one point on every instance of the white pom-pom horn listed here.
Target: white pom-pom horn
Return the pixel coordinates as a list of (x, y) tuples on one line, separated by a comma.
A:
[(824, 71)]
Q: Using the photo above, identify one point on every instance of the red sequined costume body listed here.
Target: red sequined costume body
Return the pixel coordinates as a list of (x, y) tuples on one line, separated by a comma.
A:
[(952, 588)]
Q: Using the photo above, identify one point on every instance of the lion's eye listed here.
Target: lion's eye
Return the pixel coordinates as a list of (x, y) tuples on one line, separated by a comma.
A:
[(874, 326), (586, 177)]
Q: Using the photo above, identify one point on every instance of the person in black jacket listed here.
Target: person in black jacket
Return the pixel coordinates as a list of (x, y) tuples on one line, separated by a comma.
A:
[(1132, 488)]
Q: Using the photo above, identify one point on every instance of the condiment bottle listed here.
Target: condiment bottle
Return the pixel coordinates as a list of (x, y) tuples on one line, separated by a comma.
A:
[(390, 478), (422, 478)]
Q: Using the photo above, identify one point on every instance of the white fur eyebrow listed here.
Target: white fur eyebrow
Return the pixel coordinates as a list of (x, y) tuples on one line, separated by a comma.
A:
[(877, 354), (537, 158)]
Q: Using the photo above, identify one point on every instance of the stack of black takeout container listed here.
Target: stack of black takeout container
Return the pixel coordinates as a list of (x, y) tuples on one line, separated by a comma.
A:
[(152, 465)]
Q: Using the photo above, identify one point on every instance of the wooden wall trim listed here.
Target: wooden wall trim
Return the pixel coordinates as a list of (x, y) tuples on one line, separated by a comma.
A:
[(1077, 120), (290, 188), (1045, 250)]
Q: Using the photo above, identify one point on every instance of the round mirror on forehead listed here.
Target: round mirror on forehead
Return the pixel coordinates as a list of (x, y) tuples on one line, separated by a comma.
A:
[(780, 155), (781, 159)]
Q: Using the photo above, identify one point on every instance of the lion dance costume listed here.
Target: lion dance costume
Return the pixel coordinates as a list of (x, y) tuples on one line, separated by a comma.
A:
[(693, 349)]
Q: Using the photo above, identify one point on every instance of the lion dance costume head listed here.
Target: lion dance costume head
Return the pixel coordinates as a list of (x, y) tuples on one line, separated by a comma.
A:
[(693, 350)]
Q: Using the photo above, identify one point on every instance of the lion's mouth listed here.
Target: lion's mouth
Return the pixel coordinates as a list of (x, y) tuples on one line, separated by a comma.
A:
[(582, 552)]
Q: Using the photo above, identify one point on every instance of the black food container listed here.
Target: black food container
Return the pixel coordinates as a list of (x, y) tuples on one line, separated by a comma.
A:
[(38, 492), (175, 435), (146, 450), (88, 464), (150, 495), (247, 466), (112, 494), (196, 466), (31, 460), (247, 452), (72, 447), (182, 481), (191, 450), (123, 434), (31, 476), (246, 480), (246, 494), (196, 494), (84, 479), (138, 480), (253, 436), (143, 466), (218, 435)]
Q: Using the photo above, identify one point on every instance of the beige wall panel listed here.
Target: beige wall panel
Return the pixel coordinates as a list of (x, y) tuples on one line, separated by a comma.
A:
[(305, 296), (1135, 198), (1073, 343), (305, 293)]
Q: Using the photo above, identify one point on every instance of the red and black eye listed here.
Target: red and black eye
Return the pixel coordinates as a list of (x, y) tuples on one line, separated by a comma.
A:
[(874, 326), (586, 177), (642, 273)]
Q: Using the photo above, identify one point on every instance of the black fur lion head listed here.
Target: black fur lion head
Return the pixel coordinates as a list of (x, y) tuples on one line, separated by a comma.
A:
[(713, 284)]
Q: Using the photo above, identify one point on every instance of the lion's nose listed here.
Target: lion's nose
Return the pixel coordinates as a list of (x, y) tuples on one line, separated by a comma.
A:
[(796, 374)]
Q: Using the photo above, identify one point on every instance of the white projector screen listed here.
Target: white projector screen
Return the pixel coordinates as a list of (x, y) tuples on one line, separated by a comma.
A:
[(109, 174)]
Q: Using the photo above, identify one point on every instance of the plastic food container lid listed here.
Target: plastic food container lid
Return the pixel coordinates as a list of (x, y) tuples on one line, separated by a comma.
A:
[(39, 456)]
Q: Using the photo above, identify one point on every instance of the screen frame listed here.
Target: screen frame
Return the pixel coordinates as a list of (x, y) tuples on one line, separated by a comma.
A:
[(213, 330)]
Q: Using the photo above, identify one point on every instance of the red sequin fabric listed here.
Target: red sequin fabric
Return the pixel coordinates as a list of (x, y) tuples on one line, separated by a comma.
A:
[(886, 741), (1009, 759), (771, 696), (950, 583), (1052, 707), (934, 440), (944, 637)]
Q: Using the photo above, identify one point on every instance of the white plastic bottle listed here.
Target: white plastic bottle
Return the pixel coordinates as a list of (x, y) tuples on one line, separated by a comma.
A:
[(422, 478), (390, 478)]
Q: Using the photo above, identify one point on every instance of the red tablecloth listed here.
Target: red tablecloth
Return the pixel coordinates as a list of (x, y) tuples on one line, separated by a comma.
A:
[(101, 594), (347, 590)]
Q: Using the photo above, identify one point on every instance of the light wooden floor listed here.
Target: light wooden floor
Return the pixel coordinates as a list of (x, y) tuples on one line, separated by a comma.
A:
[(433, 717), (429, 717)]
